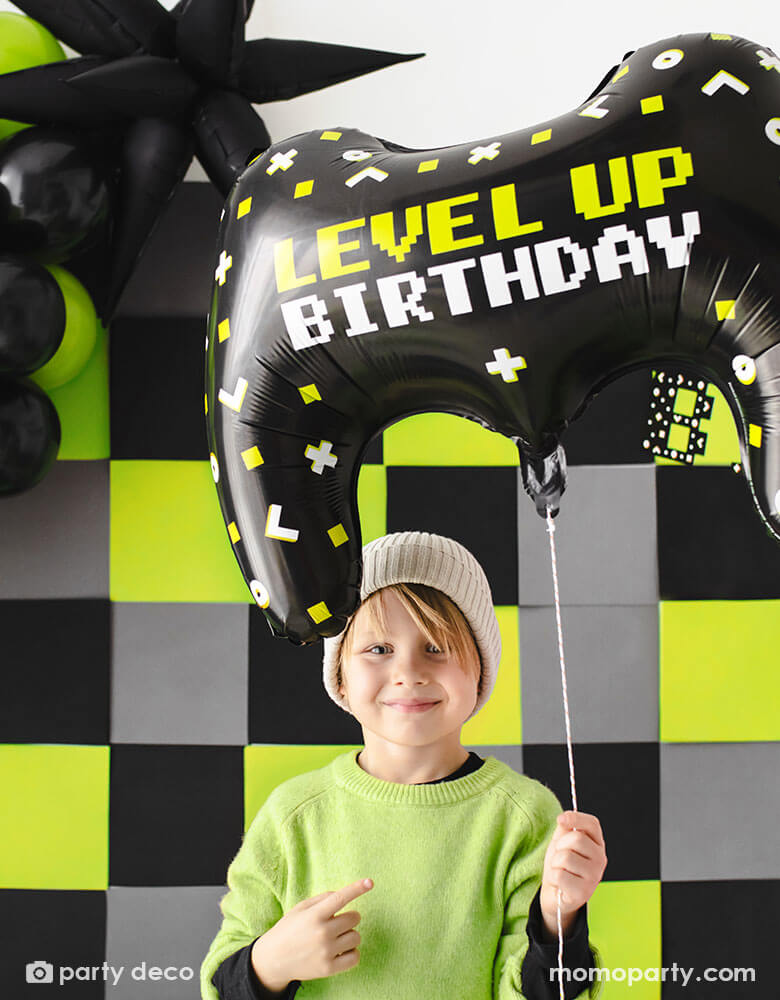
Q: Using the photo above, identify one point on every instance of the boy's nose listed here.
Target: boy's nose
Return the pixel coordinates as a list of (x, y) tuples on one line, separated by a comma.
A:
[(411, 668)]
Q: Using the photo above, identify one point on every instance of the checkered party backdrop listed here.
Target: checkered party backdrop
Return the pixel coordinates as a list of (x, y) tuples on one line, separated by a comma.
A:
[(147, 711)]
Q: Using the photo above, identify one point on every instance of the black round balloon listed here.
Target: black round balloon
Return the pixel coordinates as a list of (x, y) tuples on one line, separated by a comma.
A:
[(55, 193), (507, 280), (29, 435), (32, 316)]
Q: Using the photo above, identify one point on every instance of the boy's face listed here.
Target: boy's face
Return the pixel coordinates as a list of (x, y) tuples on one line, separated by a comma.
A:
[(398, 666)]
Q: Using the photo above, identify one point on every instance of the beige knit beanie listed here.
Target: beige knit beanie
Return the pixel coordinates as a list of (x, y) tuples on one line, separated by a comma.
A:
[(443, 563)]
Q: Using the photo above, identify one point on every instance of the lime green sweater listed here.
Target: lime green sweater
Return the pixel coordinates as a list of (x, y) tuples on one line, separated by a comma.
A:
[(455, 866)]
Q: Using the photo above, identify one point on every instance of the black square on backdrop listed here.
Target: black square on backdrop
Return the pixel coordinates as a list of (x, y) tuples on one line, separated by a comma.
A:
[(157, 388), (475, 506), (722, 926), (288, 702), (56, 671), (712, 543), (611, 428), (58, 927), (174, 275), (618, 783), (176, 814), (374, 452)]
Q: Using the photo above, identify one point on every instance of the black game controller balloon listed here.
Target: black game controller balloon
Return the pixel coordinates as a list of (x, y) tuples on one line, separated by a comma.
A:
[(506, 280)]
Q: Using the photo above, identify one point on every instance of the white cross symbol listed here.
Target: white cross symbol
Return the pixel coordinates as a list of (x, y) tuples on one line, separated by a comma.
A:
[(281, 161), (236, 398), (484, 152), (768, 61), (504, 365), (225, 263), (374, 172), (322, 456), (274, 530)]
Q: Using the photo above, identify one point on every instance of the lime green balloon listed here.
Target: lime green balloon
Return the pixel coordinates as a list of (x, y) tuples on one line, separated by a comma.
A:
[(24, 43), (78, 340)]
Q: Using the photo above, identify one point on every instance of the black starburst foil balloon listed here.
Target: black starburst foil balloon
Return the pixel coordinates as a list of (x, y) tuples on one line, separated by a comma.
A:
[(185, 80)]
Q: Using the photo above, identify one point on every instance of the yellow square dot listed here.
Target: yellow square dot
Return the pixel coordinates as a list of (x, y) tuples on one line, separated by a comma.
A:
[(337, 535), (651, 104), (330, 136), (620, 72), (206, 403), (252, 457), (426, 165), (303, 188), (223, 329), (755, 436), (544, 136), (719, 37), (310, 393), (724, 309), (233, 532), (318, 612), (244, 208)]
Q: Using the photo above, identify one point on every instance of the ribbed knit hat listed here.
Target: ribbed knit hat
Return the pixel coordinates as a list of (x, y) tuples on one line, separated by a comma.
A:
[(443, 563)]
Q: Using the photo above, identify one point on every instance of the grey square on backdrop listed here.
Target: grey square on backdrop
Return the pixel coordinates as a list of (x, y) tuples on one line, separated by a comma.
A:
[(179, 673), (611, 656), (168, 928), (715, 796), (511, 755), (605, 537), (54, 538)]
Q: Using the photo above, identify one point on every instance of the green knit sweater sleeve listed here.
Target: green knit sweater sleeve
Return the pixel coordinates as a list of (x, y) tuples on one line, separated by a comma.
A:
[(537, 815), (523, 877), (253, 903)]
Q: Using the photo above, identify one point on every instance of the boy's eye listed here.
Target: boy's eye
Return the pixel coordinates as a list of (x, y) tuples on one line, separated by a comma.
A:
[(431, 646)]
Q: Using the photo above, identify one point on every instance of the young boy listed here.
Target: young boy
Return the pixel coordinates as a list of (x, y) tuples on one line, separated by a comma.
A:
[(458, 859)]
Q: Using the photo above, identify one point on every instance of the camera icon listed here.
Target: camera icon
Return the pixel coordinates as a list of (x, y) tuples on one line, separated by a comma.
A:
[(40, 972)]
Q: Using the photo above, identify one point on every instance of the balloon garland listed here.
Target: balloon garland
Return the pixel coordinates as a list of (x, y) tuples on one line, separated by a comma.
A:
[(161, 86), (115, 132), (357, 282)]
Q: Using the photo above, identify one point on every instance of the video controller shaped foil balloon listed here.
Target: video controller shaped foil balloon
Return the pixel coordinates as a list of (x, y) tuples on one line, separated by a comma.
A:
[(506, 280)]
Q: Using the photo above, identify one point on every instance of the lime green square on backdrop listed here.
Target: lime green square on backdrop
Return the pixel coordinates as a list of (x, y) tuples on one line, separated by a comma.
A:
[(54, 817), (624, 921), (372, 502), (168, 538), (82, 406), (266, 766), (445, 439), (499, 721), (719, 680)]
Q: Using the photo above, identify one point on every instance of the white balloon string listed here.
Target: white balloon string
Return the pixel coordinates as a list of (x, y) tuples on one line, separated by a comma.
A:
[(551, 533)]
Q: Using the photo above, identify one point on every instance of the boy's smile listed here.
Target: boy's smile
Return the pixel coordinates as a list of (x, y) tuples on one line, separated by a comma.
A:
[(410, 697)]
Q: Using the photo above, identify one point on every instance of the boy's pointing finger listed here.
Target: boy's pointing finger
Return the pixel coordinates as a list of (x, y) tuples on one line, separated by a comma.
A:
[(338, 899)]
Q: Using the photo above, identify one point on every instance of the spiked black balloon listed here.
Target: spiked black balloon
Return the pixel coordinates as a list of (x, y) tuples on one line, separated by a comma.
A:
[(185, 79)]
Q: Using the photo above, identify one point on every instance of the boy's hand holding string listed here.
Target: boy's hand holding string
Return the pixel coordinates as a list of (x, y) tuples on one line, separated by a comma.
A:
[(574, 863)]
